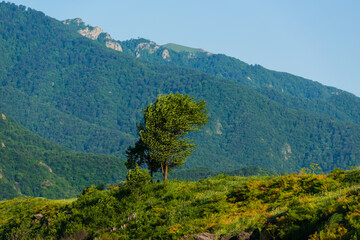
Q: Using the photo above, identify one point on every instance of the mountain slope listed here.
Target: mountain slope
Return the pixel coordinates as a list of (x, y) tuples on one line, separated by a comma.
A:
[(225, 67), (32, 166), (293, 91), (83, 95)]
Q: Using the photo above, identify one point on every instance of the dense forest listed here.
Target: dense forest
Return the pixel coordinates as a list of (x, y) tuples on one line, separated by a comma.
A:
[(289, 90), (76, 92), (31, 166)]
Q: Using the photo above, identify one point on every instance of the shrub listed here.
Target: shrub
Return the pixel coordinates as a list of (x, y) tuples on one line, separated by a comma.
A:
[(136, 179)]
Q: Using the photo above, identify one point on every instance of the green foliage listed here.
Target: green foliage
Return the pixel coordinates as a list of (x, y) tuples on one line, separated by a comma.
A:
[(166, 124), (80, 94), (289, 90), (197, 173), (31, 166), (287, 207), (139, 155), (314, 169), (138, 178)]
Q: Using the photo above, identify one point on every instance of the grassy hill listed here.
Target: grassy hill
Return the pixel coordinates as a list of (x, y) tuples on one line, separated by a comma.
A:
[(179, 48), (306, 206), (76, 92), (31, 166)]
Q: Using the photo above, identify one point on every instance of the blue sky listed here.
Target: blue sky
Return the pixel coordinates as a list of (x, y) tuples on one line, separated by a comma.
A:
[(318, 40)]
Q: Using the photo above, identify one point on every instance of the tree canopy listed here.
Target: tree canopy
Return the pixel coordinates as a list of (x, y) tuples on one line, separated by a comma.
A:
[(163, 143)]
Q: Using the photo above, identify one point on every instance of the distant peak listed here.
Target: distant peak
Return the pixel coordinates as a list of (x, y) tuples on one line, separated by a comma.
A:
[(180, 48), (74, 20), (93, 33)]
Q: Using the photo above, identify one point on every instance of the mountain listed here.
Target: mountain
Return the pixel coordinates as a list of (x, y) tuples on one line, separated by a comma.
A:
[(293, 91), (289, 90), (94, 33), (79, 93), (218, 65), (31, 166)]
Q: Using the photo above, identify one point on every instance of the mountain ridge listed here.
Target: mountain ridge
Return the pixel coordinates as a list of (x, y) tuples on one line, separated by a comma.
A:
[(79, 25), (55, 80), (314, 98)]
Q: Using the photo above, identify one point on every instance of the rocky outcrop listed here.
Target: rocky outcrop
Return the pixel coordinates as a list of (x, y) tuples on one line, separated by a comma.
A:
[(113, 45), (77, 21), (94, 33), (239, 236), (38, 216), (165, 54), (151, 47), (91, 33), (219, 127), (43, 164), (286, 151), (205, 236)]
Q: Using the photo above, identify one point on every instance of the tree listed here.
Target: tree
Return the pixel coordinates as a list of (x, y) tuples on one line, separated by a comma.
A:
[(163, 144), (140, 155)]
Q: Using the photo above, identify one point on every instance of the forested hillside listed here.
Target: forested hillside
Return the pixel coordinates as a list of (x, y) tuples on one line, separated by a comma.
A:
[(287, 89), (31, 166), (76, 92)]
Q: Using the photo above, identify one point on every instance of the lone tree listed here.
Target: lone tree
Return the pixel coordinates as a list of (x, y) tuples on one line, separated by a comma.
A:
[(162, 133)]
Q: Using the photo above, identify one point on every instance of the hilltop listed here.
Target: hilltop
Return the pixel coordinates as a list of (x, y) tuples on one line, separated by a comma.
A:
[(306, 206)]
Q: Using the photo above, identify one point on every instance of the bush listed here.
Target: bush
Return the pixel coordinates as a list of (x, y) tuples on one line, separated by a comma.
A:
[(136, 179)]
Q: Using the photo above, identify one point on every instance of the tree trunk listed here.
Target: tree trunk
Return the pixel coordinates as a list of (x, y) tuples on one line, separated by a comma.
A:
[(162, 168), (165, 173)]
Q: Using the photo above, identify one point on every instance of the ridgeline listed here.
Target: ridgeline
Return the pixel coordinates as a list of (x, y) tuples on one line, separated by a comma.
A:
[(80, 94)]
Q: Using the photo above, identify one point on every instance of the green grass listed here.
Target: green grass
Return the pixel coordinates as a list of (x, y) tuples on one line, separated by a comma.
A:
[(180, 48), (293, 206)]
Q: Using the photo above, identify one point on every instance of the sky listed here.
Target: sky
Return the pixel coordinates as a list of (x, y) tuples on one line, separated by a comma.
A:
[(318, 40)]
